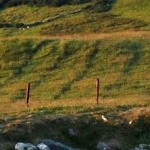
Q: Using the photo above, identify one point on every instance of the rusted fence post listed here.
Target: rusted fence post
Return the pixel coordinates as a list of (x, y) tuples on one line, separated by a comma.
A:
[(27, 93), (97, 91)]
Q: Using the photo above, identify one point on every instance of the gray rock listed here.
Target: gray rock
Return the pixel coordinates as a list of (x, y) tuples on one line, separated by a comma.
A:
[(72, 132), (114, 144), (25, 146), (45, 145), (42, 146), (143, 147), (19, 146), (137, 148), (103, 146), (2, 126), (56, 145), (7, 118)]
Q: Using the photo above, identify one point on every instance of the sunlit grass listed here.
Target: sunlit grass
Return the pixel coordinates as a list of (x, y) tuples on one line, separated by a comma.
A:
[(64, 69), (73, 106), (122, 16), (62, 60), (133, 9)]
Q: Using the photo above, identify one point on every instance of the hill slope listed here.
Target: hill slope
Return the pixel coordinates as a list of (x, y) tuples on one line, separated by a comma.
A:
[(61, 48), (99, 16), (68, 69), (133, 9)]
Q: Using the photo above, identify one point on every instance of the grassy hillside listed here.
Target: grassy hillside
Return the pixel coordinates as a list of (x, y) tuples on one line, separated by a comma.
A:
[(61, 48), (68, 69), (133, 9), (60, 68), (107, 16), (62, 74)]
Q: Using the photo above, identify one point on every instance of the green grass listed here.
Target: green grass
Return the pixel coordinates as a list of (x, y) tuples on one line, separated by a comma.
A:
[(59, 69), (28, 14), (91, 23), (63, 71), (133, 9), (126, 15)]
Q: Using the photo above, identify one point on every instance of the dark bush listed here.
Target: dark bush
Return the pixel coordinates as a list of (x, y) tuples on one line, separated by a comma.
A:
[(10, 3), (101, 5)]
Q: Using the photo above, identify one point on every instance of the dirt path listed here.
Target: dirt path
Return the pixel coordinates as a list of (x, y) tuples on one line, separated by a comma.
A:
[(89, 36)]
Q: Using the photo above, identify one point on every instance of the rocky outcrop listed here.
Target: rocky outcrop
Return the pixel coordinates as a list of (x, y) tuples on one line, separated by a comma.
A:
[(103, 146), (107, 146), (24, 146), (112, 144), (143, 147), (44, 145)]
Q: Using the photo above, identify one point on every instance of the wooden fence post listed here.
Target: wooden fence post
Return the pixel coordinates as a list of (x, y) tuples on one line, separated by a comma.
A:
[(27, 93), (97, 91)]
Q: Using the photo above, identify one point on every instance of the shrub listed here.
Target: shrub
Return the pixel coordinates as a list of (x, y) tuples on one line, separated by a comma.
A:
[(10, 3)]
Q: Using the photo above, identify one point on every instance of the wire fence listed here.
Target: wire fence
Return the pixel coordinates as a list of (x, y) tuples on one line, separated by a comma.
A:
[(89, 88)]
